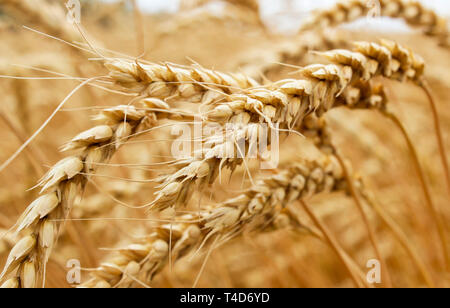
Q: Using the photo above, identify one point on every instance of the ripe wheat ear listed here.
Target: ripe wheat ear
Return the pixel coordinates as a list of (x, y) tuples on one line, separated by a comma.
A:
[(64, 182), (265, 201), (193, 84)]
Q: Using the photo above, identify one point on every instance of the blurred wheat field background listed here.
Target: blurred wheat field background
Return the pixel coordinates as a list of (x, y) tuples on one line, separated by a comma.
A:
[(362, 172)]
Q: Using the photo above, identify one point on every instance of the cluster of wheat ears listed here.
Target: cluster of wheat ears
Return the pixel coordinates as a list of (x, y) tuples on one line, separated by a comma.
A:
[(166, 94)]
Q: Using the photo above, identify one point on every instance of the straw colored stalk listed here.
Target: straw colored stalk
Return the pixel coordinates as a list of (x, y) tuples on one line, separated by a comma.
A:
[(412, 12), (319, 132), (139, 262), (317, 129), (365, 96), (368, 96), (64, 182)]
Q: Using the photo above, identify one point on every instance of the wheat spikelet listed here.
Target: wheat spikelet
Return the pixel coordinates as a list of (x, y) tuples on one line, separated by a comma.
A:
[(287, 101), (266, 199), (66, 180), (169, 81), (413, 12)]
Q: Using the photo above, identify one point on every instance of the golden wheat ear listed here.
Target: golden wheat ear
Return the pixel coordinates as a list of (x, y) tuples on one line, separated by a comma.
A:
[(65, 182), (189, 233)]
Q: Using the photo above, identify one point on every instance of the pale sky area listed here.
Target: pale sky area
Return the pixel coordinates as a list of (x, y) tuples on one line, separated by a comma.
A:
[(275, 13)]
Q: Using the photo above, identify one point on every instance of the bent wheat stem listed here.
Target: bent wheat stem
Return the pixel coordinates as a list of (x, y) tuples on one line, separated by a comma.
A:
[(333, 244), (318, 130), (437, 126), (431, 207), (372, 236), (401, 237)]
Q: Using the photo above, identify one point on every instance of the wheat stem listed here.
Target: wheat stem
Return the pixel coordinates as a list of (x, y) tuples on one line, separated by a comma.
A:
[(437, 126), (399, 235), (372, 236), (431, 207), (332, 242)]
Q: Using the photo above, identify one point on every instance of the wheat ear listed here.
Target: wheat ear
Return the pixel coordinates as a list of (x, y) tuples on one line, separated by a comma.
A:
[(169, 81), (224, 221), (284, 103), (413, 12), (65, 181), (411, 67)]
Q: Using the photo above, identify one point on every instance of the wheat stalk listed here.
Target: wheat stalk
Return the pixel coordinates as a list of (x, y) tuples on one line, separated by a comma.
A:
[(401, 237), (317, 129), (375, 98), (66, 180), (368, 96), (413, 12)]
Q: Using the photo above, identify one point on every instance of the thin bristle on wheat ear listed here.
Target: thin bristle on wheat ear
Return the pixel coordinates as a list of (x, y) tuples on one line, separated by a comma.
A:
[(264, 200), (413, 12), (65, 182)]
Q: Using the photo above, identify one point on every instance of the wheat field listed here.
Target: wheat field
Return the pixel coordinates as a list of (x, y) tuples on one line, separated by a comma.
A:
[(313, 158)]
